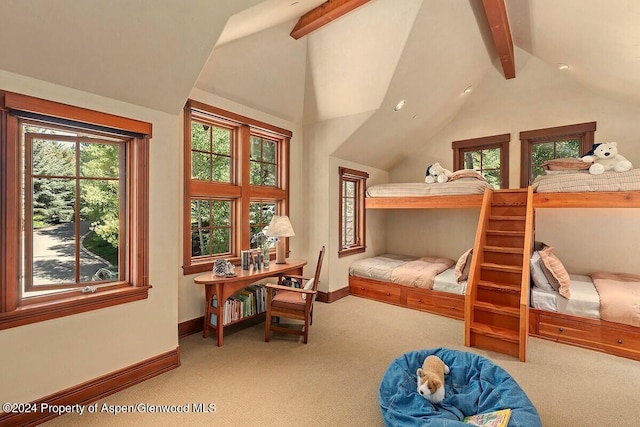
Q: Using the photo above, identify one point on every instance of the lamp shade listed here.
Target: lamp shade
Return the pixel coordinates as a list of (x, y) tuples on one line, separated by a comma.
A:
[(280, 226)]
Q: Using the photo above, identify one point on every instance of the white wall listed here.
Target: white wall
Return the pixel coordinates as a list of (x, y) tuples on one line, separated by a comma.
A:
[(540, 96), (42, 358)]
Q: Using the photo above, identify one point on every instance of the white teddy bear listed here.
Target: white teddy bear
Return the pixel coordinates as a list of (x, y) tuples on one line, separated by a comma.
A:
[(605, 157), (436, 173)]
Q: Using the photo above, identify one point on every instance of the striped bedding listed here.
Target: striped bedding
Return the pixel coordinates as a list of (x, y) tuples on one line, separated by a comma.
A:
[(580, 182)]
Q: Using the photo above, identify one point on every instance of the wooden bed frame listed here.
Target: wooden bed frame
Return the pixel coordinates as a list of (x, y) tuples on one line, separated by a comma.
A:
[(609, 337), (436, 302), (612, 338), (425, 202)]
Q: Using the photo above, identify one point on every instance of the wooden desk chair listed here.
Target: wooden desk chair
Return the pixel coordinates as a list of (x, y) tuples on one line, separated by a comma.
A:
[(292, 303)]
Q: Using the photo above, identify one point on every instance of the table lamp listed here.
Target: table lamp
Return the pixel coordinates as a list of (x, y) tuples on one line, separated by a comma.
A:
[(280, 227)]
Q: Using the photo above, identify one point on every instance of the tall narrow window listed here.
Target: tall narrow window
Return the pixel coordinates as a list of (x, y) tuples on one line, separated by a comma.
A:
[(541, 145), (236, 179), (74, 221), (352, 216), (488, 155)]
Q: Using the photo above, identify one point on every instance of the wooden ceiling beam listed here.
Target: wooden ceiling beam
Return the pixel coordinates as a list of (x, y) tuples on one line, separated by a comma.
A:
[(323, 14), (496, 12)]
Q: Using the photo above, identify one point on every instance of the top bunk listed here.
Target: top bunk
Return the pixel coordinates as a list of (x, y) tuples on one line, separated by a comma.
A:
[(465, 189), (583, 190)]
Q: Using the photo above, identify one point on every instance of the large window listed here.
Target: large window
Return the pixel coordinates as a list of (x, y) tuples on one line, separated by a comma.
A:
[(236, 179), (74, 210), (488, 155), (351, 205), (541, 145)]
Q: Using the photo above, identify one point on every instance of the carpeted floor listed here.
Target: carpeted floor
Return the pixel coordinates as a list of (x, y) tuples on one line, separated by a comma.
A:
[(333, 380)]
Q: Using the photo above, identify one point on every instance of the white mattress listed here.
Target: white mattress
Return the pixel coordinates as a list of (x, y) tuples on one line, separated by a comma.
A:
[(446, 282), (584, 301)]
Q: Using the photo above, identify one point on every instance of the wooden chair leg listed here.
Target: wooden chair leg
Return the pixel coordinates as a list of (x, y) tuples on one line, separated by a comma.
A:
[(267, 328)]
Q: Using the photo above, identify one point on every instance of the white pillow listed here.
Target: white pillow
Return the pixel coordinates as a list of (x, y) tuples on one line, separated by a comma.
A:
[(537, 275), (308, 287)]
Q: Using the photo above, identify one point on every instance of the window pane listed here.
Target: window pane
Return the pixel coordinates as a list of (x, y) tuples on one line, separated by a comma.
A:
[(260, 215), (53, 158), (256, 148), (221, 240), (200, 137), (349, 188), (221, 213), (100, 214), (493, 176), (99, 160), (255, 173), (221, 168), (200, 243), (568, 149), (53, 200), (221, 141), (54, 254), (269, 175), (491, 158), (200, 166), (200, 214), (269, 151)]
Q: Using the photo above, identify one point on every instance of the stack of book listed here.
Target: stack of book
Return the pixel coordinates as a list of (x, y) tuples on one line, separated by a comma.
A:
[(244, 303)]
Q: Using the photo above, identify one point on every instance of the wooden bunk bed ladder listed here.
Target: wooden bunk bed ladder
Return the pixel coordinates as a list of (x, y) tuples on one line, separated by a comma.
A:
[(496, 310)]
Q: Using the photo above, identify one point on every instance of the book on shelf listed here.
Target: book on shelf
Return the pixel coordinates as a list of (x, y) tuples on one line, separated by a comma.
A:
[(490, 419)]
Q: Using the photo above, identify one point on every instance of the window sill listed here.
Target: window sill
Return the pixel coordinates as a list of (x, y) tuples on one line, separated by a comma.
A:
[(351, 251), (39, 312)]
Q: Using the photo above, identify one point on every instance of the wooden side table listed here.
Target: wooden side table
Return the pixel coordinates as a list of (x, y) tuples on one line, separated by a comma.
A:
[(223, 287)]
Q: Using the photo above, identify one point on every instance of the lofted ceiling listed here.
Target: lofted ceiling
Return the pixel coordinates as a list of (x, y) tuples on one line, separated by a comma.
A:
[(354, 69)]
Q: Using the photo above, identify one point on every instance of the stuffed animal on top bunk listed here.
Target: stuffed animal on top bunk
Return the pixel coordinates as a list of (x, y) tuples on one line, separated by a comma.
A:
[(436, 173), (605, 157)]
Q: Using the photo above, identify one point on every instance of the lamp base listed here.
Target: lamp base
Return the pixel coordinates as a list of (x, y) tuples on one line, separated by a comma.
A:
[(281, 252)]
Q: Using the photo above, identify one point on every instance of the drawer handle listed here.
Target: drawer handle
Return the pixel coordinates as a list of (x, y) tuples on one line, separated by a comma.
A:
[(420, 300), (561, 329), (619, 341), (388, 294), (453, 308), (361, 288)]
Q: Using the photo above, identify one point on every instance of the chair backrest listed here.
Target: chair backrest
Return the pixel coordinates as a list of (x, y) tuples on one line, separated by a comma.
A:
[(316, 278)]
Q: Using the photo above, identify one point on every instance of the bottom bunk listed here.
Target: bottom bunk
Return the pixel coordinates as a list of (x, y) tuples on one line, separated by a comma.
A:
[(599, 311), (431, 284)]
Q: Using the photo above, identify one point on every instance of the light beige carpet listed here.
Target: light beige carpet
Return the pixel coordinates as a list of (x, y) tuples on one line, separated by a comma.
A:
[(333, 380)]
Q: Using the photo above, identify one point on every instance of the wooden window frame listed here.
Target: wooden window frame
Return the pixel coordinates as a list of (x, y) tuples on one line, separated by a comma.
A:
[(582, 131), (484, 143), (240, 188), (17, 311), (360, 179)]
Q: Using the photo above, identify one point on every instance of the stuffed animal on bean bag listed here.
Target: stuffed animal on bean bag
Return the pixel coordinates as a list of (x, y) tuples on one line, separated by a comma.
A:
[(436, 173), (605, 157), (431, 379)]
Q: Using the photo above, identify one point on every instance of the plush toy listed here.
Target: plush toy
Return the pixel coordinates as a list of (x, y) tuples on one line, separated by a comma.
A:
[(431, 379), (436, 173), (605, 157)]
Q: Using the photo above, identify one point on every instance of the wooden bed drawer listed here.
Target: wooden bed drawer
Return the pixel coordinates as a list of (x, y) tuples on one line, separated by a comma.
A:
[(622, 340), (375, 291), (433, 302)]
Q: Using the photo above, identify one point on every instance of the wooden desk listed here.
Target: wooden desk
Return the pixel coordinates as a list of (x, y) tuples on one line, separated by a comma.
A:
[(224, 287)]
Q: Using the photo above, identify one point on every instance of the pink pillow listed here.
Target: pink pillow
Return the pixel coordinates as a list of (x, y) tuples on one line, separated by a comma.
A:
[(463, 266), (555, 272)]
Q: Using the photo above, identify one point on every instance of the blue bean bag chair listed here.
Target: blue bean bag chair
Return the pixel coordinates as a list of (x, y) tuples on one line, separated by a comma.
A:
[(475, 385)]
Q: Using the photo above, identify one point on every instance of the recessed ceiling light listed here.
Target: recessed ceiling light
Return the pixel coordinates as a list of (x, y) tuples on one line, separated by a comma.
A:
[(563, 67), (400, 105), (468, 89)]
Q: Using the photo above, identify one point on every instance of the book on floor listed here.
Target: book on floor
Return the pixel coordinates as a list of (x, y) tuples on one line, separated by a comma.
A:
[(490, 419)]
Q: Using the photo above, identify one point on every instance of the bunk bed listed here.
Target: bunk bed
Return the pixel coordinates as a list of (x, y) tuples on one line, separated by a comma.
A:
[(464, 189), (432, 284), (578, 320)]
